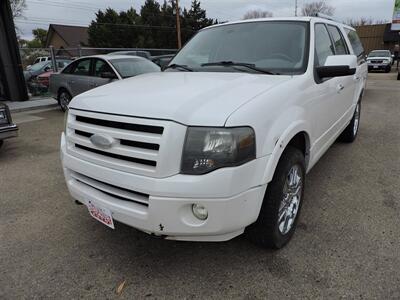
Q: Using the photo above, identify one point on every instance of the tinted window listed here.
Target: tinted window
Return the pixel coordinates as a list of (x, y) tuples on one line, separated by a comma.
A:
[(340, 44), (379, 54), (128, 67), (69, 68), (82, 67), (101, 66), (280, 46), (323, 44), (355, 42)]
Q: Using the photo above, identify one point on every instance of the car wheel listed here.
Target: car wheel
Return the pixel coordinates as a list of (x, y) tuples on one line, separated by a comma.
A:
[(1, 143), (63, 99), (350, 133), (388, 69), (282, 202), (398, 76)]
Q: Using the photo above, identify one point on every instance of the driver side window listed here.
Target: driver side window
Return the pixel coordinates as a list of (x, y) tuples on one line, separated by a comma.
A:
[(323, 45)]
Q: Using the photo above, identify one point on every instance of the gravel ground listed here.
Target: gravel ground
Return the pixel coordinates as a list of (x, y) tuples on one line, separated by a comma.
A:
[(347, 244)]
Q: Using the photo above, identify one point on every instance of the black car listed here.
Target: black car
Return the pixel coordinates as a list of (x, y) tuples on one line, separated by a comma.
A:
[(7, 128)]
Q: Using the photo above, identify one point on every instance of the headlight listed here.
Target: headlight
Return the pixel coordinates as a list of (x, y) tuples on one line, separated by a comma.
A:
[(207, 149), (386, 61), (3, 117)]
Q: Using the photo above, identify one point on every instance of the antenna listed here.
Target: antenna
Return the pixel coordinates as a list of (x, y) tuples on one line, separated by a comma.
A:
[(323, 16), (295, 8)]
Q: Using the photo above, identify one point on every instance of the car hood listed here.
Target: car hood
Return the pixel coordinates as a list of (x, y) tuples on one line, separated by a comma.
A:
[(191, 98), (378, 58)]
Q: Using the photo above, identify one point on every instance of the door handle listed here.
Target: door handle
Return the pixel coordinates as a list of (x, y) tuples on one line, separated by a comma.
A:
[(71, 81), (340, 87)]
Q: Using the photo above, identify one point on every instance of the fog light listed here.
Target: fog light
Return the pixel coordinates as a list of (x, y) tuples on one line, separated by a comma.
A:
[(199, 211)]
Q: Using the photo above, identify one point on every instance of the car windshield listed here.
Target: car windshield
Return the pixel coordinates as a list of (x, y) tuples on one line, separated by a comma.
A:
[(274, 46), (39, 66), (128, 67), (379, 54)]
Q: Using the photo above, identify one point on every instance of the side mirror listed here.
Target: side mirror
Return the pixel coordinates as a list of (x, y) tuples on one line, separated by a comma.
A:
[(338, 66), (109, 75)]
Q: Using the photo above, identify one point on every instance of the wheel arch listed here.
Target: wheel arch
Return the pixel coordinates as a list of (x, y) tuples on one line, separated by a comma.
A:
[(297, 136)]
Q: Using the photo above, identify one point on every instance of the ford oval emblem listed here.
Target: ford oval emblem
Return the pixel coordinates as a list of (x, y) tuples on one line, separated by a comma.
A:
[(102, 140)]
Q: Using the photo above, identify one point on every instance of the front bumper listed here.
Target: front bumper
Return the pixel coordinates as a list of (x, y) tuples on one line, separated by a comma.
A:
[(8, 131), (169, 210), (372, 66)]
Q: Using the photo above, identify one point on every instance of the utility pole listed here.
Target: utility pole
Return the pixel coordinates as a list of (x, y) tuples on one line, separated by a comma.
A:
[(295, 8), (178, 25)]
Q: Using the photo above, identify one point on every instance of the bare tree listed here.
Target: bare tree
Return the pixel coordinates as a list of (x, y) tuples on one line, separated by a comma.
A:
[(364, 21), (17, 7), (255, 14), (311, 9)]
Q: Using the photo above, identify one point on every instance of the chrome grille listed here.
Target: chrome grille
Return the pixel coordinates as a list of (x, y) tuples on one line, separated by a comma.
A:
[(139, 145)]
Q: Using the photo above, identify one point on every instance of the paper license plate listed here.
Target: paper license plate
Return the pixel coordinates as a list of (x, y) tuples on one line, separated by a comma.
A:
[(101, 214), (376, 67)]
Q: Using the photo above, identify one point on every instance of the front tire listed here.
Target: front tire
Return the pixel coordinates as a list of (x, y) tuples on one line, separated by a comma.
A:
[(64, 98), (351, 131), (1, 143), (280, 210)]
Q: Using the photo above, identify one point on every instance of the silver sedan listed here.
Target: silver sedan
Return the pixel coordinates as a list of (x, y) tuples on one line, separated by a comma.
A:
[(92, 71)]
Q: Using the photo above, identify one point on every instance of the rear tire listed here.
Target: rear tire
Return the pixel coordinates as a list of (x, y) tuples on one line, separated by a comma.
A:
[(388, 69), (282, 203), (1, 143), (64, 98), (351, 131)]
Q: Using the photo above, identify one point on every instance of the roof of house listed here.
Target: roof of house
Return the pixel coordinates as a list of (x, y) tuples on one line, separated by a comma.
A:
[(73, 36)]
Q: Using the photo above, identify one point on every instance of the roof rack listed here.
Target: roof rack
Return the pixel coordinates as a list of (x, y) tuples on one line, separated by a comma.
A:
[(323, 16)]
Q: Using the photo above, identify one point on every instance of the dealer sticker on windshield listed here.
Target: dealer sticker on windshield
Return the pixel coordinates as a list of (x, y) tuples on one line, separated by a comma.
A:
[(101, 214)]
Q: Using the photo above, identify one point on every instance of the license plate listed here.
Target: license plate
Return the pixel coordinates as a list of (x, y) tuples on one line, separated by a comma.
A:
[(101, 214), (375, 67)]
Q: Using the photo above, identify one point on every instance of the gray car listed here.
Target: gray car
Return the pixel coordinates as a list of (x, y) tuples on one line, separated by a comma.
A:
[(92, 71)]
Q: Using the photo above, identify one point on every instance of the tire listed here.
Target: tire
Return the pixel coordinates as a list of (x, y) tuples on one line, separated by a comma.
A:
[(64, 98), (350, 133), (388, 69), (269, 230), (398, 76), (1, 143)]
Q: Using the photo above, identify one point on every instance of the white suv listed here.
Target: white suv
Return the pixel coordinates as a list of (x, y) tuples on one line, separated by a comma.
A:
[(219, 143)]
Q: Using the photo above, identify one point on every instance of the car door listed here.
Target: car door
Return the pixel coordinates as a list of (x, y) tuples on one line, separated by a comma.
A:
[(78, 79), (101, 73)]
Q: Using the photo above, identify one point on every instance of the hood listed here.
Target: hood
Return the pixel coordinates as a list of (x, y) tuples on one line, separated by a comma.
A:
[(190, 98)]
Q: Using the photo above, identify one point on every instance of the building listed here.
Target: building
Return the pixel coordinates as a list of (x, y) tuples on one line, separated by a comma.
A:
[(67, 39), (378, 36)]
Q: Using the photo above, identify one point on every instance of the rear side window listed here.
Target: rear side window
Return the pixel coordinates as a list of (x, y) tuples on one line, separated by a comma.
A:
[(355, 42), (323, 45), (338, 40), (100, 67), (82, 67)]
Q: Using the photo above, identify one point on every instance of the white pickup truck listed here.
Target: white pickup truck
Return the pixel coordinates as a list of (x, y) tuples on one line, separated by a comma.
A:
[(220, 142)]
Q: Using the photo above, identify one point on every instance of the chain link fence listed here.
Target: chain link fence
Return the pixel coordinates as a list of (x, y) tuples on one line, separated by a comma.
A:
[(38, 66)]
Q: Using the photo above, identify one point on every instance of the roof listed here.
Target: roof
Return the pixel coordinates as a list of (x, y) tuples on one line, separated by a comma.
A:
[(73, 36), (112, 57), (301, 19)]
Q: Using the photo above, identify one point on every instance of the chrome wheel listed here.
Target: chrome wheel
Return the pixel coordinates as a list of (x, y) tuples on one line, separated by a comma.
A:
[(356, 119), (64, 100), (290, 203)]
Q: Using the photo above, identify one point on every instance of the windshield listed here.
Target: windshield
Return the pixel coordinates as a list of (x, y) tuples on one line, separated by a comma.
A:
[(275, 46), (379, 54), (128, 67), (39, 66)]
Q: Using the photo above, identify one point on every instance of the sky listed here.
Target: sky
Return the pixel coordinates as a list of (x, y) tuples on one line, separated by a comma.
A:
[(40, 13)]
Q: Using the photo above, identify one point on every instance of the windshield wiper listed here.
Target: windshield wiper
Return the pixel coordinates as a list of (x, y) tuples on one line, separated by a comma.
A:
[(176, 66), (238, 64)]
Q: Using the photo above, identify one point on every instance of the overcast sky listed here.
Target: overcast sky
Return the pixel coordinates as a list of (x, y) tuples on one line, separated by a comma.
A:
[(40, 13)]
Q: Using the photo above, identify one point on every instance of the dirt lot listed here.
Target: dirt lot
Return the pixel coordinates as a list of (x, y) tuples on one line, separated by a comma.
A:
[(347, 244)]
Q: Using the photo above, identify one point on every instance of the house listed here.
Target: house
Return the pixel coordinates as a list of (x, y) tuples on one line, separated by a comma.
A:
[(67, 39), (378, 36)]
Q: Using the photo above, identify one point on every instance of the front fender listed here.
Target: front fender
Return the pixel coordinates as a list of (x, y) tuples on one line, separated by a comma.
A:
[(282, 142)]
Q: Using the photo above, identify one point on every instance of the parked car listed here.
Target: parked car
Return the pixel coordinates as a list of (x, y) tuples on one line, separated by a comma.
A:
[(398, 74), (47, 58), (43, 67), (221, 141), (380, 60), (44, 79), (41, 59), (162, 60), (93, 71), (7, 128), (145, 54)]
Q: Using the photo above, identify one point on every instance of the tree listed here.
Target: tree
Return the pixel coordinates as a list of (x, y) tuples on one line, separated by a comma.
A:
[(364, 21), (17, 8), (255, 14), (194, 19), (311, 9), (40, 35)]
